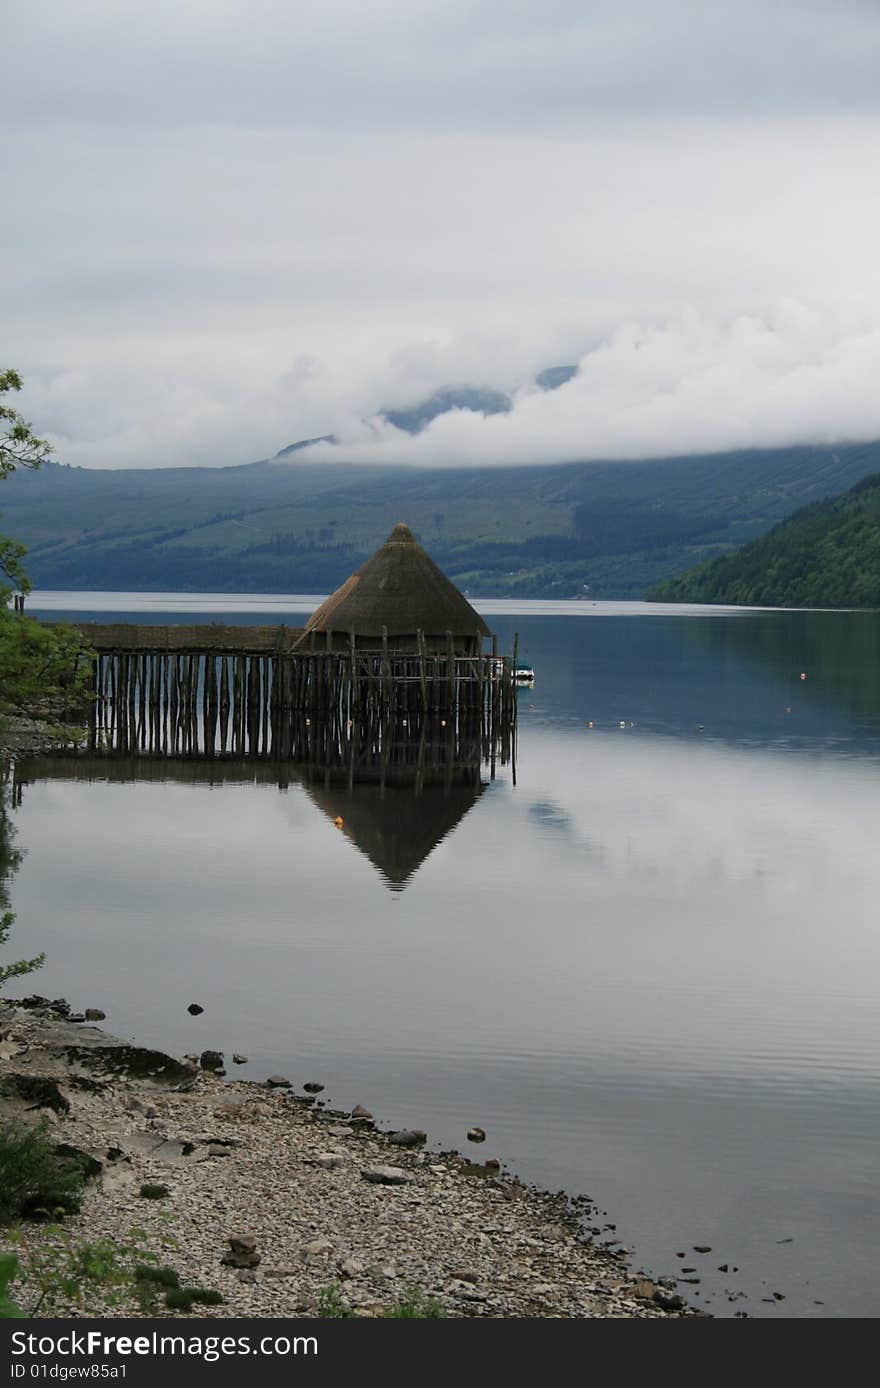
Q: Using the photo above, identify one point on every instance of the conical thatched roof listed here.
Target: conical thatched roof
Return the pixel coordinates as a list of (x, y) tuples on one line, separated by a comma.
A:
[(402, 589)]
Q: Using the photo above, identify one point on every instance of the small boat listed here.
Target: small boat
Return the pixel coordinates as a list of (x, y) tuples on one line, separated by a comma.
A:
[(524, 674)]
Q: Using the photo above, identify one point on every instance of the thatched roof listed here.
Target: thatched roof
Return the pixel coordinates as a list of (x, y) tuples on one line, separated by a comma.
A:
[(402, 589), (190, 637)]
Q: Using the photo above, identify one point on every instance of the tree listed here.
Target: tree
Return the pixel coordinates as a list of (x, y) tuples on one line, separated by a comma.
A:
[(19, 445), (36, 662)]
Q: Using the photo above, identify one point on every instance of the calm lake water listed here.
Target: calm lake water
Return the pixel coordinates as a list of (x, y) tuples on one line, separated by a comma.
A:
[(650, 969)]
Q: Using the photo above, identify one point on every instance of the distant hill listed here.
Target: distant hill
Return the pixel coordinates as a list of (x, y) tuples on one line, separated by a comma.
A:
[(826, 555), (288, 525), (480, 400)]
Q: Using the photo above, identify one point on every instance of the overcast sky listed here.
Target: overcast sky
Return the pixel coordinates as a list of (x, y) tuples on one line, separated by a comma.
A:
[(230, 225)]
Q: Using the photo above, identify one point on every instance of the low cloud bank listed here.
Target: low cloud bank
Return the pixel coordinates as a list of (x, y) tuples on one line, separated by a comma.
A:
[(650, 391), (692, 384)]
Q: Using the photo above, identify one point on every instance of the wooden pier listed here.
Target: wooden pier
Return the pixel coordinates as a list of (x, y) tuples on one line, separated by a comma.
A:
[(267, 691)]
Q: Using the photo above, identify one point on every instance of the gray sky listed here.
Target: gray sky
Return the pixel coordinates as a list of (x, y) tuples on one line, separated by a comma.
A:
[(227, 226)]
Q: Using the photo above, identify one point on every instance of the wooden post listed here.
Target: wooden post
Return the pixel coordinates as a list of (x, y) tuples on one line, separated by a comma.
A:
[(423, 674), (450, 670), (386, 673)]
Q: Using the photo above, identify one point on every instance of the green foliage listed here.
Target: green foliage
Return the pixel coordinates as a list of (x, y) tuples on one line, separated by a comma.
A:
[(151, 1192), (68, 1269), (825, 555), (184, 1298), (414, 1305), (65, 1269), (39, 663), (148, 1280), (33, 1180), (19, 446), (161, 1276), (9, 1309), (35, 663), (18, 967), (330, 1305)]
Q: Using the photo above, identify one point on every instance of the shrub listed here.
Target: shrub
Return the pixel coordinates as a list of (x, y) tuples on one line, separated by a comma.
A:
[(414, 1305), (330, 1305), (184, 1298), (163, 1277), (33, 1179), (9, 1310)]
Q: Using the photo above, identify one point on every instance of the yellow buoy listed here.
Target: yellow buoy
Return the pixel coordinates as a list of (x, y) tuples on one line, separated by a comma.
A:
[(338, 821)]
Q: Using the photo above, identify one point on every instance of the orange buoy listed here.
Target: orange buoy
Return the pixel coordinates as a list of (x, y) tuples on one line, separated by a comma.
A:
[(338, 821)]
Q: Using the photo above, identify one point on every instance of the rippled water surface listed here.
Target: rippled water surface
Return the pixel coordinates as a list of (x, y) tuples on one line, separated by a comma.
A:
[(649, 969)]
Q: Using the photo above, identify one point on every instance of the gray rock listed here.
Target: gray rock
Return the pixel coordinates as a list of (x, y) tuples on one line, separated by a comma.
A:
[(476, 1135), (278, 1082), (337, 1131), (360, 1114), (330, 1161), (412, 1137), (318, 1248), (350, 1267), (386, 1175), (312, 1087), (644, 1289), (242, 1243), (243, 1252), (239, 1059), (240, 1260), (247, 1275), (194, 1010), (211, 1060), (94, 1014), (669, 1301)]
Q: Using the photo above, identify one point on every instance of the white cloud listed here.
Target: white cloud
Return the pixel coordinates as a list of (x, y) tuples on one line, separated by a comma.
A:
[(227, 231), (686, 386)]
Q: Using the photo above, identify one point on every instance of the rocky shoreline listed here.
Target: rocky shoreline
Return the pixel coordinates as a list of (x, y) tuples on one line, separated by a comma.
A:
[(270, 1199), (34, 735)]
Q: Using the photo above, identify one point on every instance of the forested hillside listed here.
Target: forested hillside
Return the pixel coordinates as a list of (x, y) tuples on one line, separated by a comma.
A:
[(825, 555)]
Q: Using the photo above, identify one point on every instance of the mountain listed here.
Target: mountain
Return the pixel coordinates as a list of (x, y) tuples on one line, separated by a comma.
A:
[(287, 525), (826, 555), (481, 400), (442, 401)]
